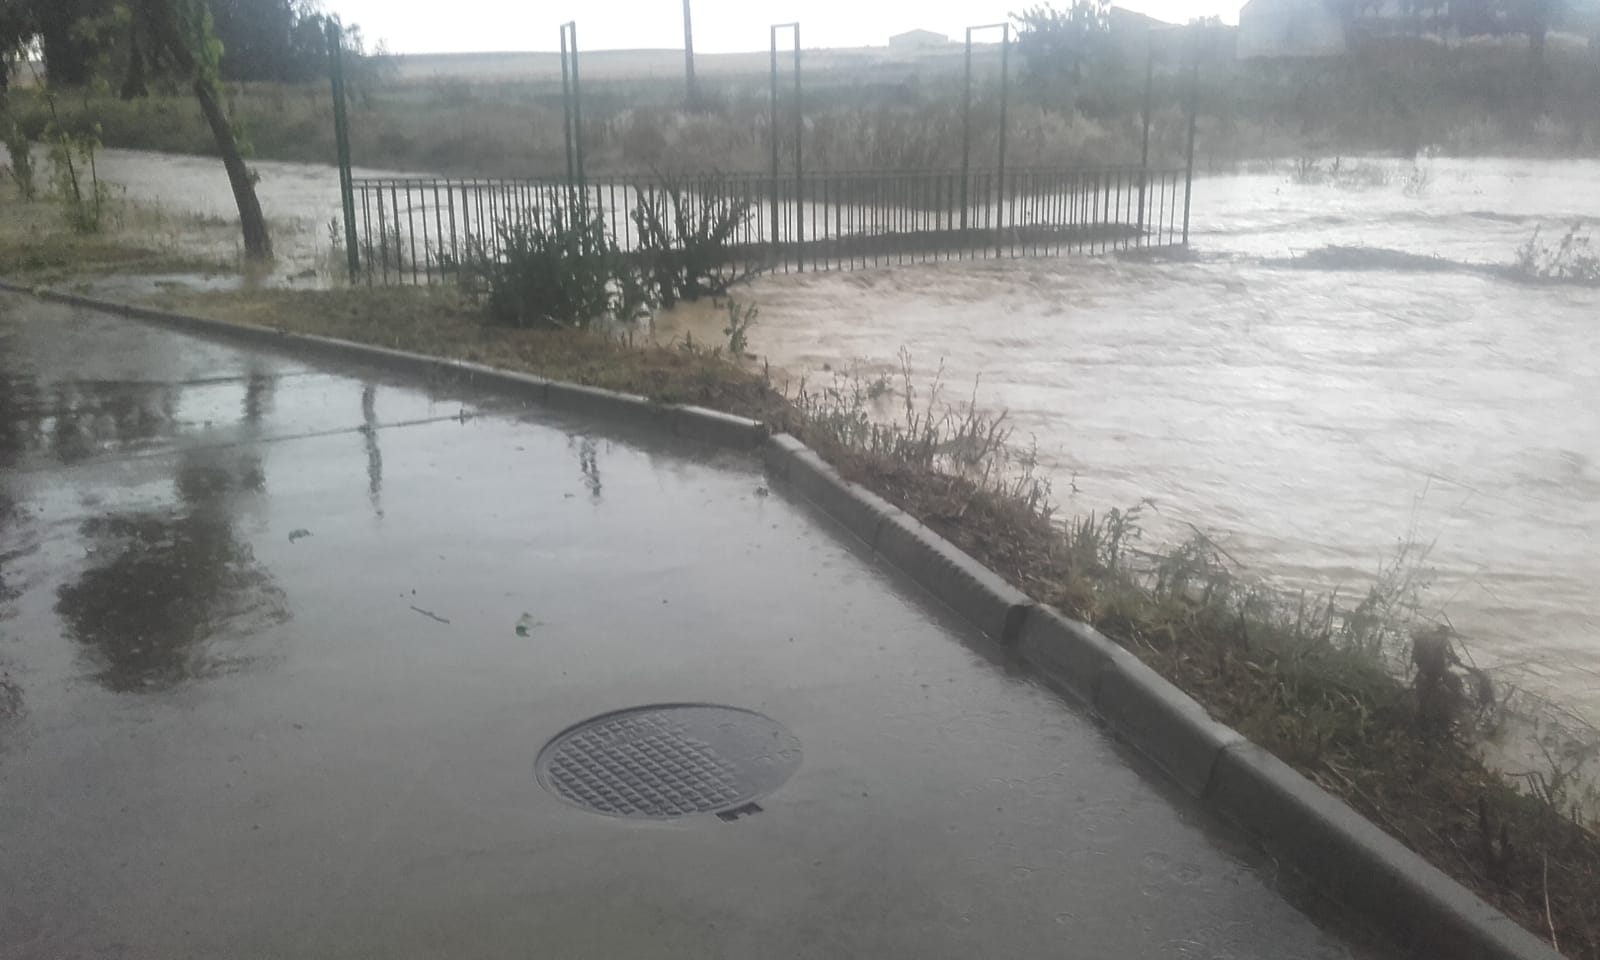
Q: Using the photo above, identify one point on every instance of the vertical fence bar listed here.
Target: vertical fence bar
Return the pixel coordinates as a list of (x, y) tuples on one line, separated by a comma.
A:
[(1000, 175), (1194, 110), (966, 130), (1144, 148), (455, 244), (366, 222), (577, 103), (799, 180), (772, 134), (341, 134), (427, 258), (566, 107), (394, 208)]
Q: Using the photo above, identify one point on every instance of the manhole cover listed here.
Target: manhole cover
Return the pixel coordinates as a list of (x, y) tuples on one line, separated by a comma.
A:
[(669, 760)]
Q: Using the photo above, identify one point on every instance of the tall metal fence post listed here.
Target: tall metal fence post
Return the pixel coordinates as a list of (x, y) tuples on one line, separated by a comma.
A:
[(566, 106), (966, 131), (572, 103), (966, 126), (1144, 149), (772, 134), (341, 135), (1000, 176), (691, 94), (1194, 110), (799, 178)]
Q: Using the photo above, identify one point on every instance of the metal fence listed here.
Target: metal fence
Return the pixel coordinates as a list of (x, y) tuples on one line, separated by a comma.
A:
[(419, 230)]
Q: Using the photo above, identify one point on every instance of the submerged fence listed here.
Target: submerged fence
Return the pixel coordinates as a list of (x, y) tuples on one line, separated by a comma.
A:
[(418, 230)]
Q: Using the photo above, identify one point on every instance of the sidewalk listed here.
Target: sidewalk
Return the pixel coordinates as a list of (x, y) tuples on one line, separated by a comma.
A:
[(286, 643)]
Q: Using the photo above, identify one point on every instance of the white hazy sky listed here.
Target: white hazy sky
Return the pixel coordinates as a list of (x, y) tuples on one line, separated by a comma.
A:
[(431, 26)]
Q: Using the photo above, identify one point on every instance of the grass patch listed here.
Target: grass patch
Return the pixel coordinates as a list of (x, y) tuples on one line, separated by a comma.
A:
[(441, 321), (38, 246), (1360, 692)]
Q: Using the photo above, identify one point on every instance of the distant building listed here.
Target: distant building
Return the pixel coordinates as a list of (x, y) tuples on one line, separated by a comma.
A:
[(1130, 33), (1289, 28), (917, 40)]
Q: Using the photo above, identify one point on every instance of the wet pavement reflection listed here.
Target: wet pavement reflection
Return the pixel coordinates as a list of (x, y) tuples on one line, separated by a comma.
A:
[(279, 646), (167, 589)]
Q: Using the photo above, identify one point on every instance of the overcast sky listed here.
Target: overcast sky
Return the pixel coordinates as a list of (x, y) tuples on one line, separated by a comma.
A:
[(416, 26)]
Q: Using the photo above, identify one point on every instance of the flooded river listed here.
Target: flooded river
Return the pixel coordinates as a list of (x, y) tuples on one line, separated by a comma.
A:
[(1309, 418)]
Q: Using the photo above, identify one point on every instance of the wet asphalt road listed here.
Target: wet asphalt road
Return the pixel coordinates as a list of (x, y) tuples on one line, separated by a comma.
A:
[(266, 695)]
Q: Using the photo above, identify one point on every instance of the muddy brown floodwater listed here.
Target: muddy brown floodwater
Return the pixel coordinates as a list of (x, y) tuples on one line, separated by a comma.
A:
[(1309, 418)]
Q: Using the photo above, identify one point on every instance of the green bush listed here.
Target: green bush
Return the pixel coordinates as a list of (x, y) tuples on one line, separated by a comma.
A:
[(75, 179), (555, 267), (684, 241)]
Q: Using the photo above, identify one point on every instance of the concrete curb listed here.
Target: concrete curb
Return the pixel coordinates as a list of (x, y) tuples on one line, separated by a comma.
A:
[(1069, 653), (861, 511), (718, 428), (967, 586), (1351, 859), (970, 588), (1421, 907), (1162, 722)]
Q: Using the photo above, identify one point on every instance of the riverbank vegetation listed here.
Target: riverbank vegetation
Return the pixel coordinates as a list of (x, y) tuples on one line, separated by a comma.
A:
[(1572, 258), (1365, 691), (1399, 95), (39, 243)]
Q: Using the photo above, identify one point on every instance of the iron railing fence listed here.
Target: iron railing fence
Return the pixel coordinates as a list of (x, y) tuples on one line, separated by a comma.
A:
[(418, 230)]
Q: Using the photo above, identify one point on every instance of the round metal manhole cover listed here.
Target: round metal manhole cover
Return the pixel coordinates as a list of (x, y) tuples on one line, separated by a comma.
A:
[(670, 760)]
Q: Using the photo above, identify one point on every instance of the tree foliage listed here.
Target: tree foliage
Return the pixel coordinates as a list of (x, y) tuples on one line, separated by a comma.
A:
[(84, 40), (1056, 45)]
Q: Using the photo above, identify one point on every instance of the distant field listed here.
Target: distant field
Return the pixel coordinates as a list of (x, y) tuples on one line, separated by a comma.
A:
[(877, 108), (615, 65)]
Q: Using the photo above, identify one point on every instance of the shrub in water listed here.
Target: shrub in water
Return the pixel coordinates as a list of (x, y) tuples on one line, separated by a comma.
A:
[(684, 240), (555, 267)]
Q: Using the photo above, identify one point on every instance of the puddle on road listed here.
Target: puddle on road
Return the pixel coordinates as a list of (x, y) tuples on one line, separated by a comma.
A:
[(166, 592)]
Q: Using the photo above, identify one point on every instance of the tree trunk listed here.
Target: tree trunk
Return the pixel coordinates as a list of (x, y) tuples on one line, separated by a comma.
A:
[(257, 243), (134, 84), (208, 90)]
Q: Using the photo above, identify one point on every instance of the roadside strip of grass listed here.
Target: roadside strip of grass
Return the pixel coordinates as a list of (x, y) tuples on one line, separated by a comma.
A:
[(35, 248), (1358, 694)]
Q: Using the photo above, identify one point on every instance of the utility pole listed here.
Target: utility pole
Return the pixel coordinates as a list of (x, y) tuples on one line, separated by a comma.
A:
[(688, 58)]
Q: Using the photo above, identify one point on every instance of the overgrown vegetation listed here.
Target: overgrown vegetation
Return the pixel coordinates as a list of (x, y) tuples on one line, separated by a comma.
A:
[(684, 237), (557, 268), (557, 264), (20, 152), (37, 245), (75, 180), (79, 40), (1572, 258)]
